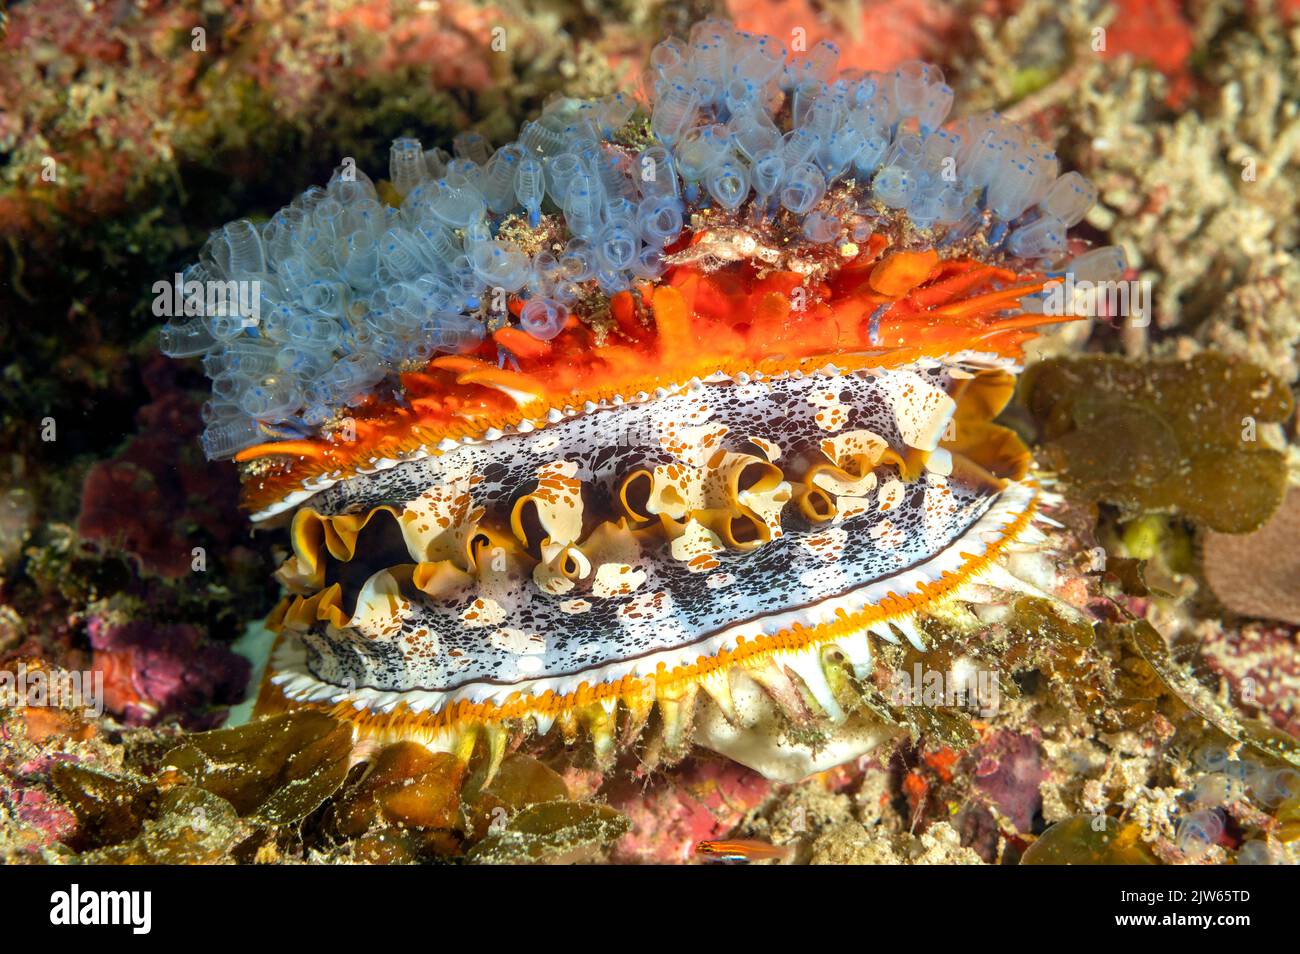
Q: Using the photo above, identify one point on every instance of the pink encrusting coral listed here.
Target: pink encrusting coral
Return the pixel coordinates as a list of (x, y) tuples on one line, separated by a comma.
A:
[(699, 800), (157, 499), (153, 671), (173, 83), (894, 31)]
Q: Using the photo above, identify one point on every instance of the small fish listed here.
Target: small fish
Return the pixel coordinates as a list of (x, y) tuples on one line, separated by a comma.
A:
[(741, 850)]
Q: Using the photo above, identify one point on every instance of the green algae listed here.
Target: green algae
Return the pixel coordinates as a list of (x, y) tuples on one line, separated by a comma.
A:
[(193, 827), (1034, 616), (1257, 736), (1089, 840), (1036, 635), (109, 808), (404, 785), (1091, 668), (521, 782), (1185, 437), (275, 771), (129, 819), (550, 832)]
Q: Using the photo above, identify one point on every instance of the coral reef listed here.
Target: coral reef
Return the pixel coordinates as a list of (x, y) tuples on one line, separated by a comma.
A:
[(153, 671), (1200, 192)]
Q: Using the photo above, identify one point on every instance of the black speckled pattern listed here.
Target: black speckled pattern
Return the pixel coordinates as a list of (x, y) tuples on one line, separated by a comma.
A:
[(524, 633)]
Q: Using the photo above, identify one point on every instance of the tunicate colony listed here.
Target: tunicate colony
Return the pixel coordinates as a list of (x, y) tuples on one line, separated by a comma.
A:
[(1221, 782), (352, 288)]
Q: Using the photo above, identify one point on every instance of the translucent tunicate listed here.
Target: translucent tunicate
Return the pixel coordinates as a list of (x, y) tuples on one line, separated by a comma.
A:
[(466, 282), (273, 400), (464, 174), (405, 165), (442, 244), (582, 203), (477, 232), (659, 219), (328, 298), (353, 374), (227, 438), (1069, 198), (934, 109), (302, 363), (1198, 832), (246, 254), (498, 183), (530, 186), (700, 151), (707, 58), (543, 319), (614, 110), (894, 186), (1008, 189), (804, 187), (799, 145), (457, 206), (674, 112), (821, 116), (577, 261), (560, 172), (1257, 852), (840, 150), (912, 81), (656, 174), (649, 263), (616, 247), (1275, 786), (761, 60), (435, 163), (869, 156), (1214, 789), (541, 140), (1045, 166), (907, 152), (768, 171), (612, 282), (1107, 263), (402, 257), (472, 146), (819, 63), (500, 265), (925, 206), (820, 227), (185, 340), (1043, 238), (667, 55), (953, 200), (741, 95), (728, 184), (752, 136), (450, 332)]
